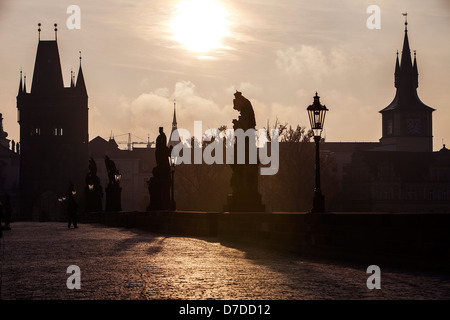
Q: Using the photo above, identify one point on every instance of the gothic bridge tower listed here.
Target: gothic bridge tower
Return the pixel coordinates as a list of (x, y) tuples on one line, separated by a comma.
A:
[(54, 138)]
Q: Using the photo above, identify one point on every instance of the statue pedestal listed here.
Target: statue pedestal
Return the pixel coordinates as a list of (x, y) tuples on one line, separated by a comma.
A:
[(244, 184), (113, 198), (94, 198), (159, 189)]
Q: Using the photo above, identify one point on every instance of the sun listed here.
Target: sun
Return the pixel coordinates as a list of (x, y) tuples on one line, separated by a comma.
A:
[(200, 25)]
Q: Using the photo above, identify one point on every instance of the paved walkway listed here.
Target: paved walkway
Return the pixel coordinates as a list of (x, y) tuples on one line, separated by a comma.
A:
[(132, 264)]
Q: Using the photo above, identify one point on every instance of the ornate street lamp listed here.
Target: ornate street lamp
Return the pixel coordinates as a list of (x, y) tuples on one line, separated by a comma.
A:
[(316, 113), (172, 163)]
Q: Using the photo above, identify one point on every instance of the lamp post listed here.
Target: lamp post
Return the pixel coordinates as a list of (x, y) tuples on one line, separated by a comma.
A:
[(316, 113), (172, 162)]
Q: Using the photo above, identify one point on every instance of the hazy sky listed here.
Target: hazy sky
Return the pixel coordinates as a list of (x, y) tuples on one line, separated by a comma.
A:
[(138, 56)]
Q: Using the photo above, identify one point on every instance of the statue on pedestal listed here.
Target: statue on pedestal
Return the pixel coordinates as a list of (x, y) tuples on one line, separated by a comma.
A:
[(159, 184), (113, 190), (244, 180), (93, 189)]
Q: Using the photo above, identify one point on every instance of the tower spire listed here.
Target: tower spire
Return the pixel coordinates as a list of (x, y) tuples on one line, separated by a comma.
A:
[(20, 83), (72, 84), (415, 72), (397, 72), (25, 83), (406, 21), (174, 121), (174, 126), (56, 31), (406, 52), (39, 31), (81, 86), (406, 80)]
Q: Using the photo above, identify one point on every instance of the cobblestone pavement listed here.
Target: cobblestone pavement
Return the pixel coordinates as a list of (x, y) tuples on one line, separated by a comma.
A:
[(132, 264)]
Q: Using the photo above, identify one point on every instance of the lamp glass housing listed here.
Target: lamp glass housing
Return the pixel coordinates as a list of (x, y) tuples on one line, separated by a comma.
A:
[(316, 113)]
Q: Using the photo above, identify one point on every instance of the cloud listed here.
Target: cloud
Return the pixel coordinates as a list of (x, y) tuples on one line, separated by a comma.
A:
[(247, 88), (306, 60), (150, 110), (337, 65)]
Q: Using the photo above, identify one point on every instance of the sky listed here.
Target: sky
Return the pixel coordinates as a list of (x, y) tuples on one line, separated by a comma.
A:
[(140, 56)]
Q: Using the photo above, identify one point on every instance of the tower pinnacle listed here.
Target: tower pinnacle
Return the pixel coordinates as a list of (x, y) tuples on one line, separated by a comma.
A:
[(406, 21), (174, 127), (80, 85), (174, 121), (20, 83)]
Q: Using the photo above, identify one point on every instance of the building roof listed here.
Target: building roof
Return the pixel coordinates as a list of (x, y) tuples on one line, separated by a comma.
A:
[(99, 147), (444, 150), (348, 146), (47, 76)]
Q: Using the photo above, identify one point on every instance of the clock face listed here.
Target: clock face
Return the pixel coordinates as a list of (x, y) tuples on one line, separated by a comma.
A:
[(414, 126)]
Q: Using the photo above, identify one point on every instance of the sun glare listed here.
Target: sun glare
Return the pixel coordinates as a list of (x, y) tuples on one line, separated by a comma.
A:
[(200, 25)]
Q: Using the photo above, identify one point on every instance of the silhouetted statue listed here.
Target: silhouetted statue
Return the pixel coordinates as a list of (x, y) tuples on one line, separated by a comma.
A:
[(162, 151), (92, 167), (244, 178), (159, 184), (72, 206), (111, 169), (93, 189), (113, 189), (246, 118)]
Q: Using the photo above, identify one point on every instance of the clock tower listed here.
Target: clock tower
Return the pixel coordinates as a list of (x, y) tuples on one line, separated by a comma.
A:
[(407, 121)]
